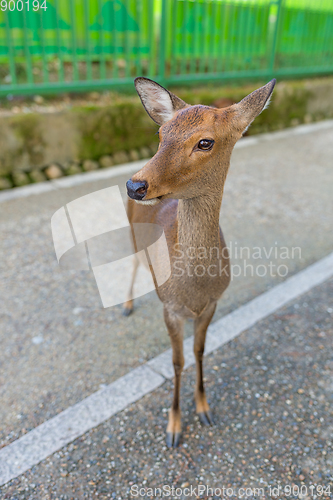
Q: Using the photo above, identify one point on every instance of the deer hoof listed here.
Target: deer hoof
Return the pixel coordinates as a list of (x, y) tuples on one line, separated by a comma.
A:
[(127, 311), (173, 439), (206, 418)]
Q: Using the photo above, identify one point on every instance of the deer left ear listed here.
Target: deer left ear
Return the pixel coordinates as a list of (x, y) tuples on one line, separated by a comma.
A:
[(253, 104), (159, 103)]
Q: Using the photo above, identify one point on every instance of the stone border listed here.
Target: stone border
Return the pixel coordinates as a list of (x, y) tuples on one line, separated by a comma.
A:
[(56, 171), (27, 451), (71, 181)]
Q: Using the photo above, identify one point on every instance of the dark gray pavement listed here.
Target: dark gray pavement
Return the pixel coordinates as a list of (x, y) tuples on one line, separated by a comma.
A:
[(278, 196), (58, 343), (271, 392)]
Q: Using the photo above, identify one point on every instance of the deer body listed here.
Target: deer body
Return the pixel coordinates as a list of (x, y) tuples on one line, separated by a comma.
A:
[(181, 189), (193, 243)]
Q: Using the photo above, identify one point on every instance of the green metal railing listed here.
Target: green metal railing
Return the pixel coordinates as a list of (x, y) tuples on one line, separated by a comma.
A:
[(77, 45)]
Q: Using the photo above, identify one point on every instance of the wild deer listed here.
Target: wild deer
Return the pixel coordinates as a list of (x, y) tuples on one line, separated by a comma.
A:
[(181, 189)]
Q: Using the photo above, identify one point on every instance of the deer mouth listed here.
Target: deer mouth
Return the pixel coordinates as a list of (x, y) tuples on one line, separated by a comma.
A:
[(152, 201)]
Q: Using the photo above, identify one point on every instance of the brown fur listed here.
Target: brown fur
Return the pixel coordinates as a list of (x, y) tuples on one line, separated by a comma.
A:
[(187, 184)]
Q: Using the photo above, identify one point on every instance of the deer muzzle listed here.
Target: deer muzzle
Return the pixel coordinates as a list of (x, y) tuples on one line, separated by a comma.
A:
[(136, 190)]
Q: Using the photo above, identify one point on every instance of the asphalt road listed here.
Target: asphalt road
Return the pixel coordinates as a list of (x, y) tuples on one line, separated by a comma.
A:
[(271, 393), (58, 343)]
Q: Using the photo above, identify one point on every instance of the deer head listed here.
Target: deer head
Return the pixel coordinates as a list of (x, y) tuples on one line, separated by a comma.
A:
[(195, 146)]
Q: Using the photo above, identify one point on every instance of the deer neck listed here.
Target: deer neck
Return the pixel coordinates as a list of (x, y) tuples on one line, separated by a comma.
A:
[(198, 221)]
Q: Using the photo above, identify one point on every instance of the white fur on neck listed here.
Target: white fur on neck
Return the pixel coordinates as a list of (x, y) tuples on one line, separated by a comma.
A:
[(153, 201)]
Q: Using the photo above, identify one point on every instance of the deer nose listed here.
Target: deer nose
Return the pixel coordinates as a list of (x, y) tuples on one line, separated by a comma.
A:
[(136, 190)]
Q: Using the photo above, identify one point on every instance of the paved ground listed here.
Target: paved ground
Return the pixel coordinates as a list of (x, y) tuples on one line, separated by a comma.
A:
[(59, 345), (271, 392)]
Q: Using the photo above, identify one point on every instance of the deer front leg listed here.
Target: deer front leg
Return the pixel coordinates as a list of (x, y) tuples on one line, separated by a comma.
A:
[(200, 329), (128, 306), (175, 329)]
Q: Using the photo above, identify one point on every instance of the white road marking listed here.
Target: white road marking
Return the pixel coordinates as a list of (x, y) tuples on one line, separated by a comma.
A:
[(60, 430)]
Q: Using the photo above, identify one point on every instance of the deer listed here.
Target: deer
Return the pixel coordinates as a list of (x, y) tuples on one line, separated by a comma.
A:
[(180, 188)]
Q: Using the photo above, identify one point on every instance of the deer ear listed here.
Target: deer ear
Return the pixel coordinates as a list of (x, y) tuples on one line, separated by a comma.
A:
[(159, 103), (253, 104)]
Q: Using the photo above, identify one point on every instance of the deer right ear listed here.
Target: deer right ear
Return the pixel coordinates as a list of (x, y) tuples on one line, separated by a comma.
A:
[(159, 103), (253, 104)]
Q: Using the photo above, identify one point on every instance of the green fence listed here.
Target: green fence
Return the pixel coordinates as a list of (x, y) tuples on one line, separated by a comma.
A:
[(77, 45)]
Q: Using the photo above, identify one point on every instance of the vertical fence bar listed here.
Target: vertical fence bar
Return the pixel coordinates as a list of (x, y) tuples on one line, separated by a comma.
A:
[(230, 41), (275, 38), (87, 35), (174, 21), (223, 45), (74, 47), (262, 45), (255, 48), (184, 45), (127, 40), (61, 60), (314, 42), (151, 37), (163, 42), (115, 72), (203, 62), (227, 46), (328, 37), (138, 10), (251, 33), (11, 51), (316, 29), (212, 39), (27, 48), (195, 35), (240, 41), (102, 67), (139, 44), (312, 18), (247, 29), (268, 44), (298, 36), (220, 37), (42, 38)]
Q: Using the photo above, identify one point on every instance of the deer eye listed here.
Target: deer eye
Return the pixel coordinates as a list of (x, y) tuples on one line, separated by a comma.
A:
[(205, 144)]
